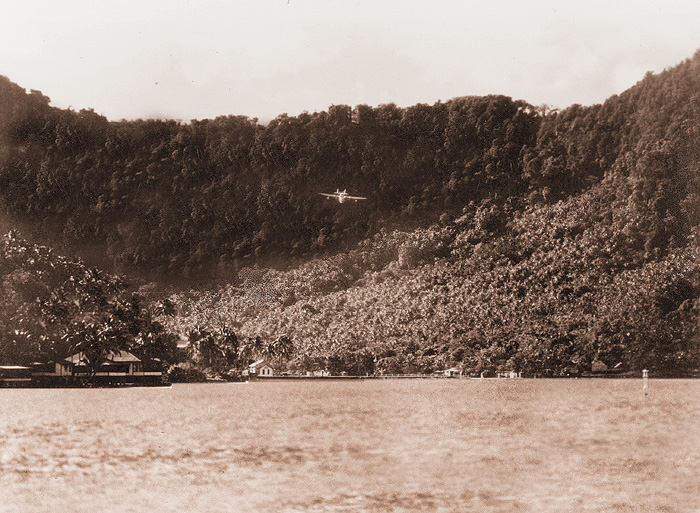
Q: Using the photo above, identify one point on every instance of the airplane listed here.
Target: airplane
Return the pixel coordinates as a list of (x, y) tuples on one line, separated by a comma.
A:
[(342, 196)]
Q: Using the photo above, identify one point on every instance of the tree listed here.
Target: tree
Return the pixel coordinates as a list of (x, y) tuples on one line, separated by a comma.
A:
[(214, 349), (250, 350), (283, 348), (95, 342)]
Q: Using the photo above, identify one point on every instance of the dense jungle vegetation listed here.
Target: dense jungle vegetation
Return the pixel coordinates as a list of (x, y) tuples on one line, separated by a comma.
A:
[(497, 235)]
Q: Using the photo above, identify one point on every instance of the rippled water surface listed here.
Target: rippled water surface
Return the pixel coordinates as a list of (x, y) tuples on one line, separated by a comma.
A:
[(414, 445)]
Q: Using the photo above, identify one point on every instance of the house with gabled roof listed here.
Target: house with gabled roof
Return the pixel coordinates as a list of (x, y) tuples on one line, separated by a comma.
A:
[(116, 367), (119, 363), (262, 368)]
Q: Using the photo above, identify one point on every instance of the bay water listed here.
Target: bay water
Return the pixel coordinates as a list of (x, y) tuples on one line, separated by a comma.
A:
[(428, 445)]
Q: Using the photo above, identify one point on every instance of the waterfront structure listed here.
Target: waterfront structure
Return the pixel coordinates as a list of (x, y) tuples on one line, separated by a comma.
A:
[(120, 363), (116, 368), (15, 375), (261, 368), (453, 372)]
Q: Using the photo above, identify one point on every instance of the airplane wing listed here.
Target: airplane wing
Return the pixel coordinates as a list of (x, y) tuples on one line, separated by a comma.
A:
[(354, 197), (328, 195)]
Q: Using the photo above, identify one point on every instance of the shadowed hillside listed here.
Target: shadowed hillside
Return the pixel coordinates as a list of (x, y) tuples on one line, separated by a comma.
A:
[(204, 199)]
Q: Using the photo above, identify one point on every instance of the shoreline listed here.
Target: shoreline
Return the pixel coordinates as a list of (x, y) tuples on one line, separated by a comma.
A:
[(634, 376)]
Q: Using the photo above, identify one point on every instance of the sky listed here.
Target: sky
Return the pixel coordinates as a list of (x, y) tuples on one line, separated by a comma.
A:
[(197, 59)]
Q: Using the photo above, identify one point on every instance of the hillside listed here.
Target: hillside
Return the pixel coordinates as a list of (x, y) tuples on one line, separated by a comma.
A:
[(497, 235), (549, 292), (202, 200)]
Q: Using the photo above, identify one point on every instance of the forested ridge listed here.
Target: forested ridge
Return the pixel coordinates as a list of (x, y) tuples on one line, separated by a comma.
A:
[(199, 199), (497, 235)]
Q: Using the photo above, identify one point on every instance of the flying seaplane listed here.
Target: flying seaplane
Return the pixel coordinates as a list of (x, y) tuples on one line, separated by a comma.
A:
[(342, 196)]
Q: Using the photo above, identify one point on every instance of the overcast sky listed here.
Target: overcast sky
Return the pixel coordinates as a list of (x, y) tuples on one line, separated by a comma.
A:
[(204, 58)]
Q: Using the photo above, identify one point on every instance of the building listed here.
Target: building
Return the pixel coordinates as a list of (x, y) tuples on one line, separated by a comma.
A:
[(15, 375), (120, 363), (119, 367), (454, 372), (508, 374), (262, 368)]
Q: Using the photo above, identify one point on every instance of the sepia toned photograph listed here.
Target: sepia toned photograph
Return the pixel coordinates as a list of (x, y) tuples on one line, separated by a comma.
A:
[(383, 256)]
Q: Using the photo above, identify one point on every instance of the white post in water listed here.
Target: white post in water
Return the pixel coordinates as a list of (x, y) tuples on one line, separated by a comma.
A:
[(645, 375)]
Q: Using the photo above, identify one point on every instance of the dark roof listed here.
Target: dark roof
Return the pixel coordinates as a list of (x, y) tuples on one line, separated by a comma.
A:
[(118, 357)]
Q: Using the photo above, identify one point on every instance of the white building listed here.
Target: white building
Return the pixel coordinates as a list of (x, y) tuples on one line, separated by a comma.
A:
[(261, 368)]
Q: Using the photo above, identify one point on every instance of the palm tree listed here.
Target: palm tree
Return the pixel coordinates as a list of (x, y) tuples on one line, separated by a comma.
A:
[(283, 347), (269, 351), (245, 353), (227, 342), (250, 350), (196, 345), (257, 345)]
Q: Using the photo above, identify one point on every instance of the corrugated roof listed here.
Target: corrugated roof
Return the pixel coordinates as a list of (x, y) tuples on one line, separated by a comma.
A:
[(119, 356), (259, 363), (124, 356)]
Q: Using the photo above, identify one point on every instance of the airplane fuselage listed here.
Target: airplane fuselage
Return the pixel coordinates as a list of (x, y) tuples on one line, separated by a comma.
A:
[(342, 196)]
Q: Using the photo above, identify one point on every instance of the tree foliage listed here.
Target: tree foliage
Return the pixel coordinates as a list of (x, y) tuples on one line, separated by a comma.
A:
[(497, 235), (53, 307)]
